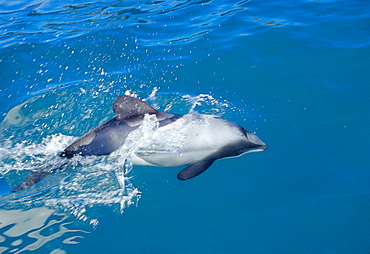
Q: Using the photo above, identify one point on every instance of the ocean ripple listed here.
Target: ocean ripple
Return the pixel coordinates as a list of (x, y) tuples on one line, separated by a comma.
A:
[(162, 21)]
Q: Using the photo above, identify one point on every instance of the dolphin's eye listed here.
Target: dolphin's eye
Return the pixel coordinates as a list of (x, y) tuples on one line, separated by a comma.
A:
[(244, 131)]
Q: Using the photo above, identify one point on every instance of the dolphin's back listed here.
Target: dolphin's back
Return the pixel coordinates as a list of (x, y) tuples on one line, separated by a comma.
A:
[(110, 136), (102, 140)]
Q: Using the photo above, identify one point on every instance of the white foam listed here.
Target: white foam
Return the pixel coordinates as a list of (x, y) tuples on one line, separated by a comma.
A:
[(94, 181)]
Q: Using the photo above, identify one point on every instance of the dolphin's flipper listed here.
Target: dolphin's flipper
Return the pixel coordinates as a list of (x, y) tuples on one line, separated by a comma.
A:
[(32, 179), (195, 169)]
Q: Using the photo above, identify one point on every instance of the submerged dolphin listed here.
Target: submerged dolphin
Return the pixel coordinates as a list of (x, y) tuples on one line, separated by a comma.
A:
[(204, 139)]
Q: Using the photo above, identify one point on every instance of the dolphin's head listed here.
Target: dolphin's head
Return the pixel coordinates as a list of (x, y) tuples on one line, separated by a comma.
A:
[(252, 143)]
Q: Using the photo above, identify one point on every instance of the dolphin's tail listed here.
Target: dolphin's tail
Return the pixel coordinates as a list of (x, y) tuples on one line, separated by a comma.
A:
[(37, 176), (32, 179)]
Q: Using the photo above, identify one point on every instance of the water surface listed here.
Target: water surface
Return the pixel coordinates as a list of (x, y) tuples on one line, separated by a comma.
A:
[(294, 72)]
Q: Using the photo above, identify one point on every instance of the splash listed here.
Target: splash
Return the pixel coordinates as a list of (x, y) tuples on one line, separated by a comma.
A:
[(105, 181), (185, 104), (94, 183), (28, 155), (216, 107), (86, 183)]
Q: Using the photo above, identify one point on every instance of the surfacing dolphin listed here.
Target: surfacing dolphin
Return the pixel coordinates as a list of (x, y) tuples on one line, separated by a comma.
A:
[(204, 140)]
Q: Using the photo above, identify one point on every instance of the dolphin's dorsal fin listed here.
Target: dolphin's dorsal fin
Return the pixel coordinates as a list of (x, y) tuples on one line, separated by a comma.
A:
[(194, 169), (128, 107)]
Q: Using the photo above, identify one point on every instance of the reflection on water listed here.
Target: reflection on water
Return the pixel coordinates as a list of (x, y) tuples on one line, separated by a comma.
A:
[(22, 230)]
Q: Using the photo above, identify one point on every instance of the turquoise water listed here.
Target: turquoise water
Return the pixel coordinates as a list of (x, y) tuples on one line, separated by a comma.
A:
[(294, 72)]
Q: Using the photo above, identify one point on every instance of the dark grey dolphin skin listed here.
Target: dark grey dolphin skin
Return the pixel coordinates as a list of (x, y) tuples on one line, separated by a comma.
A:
[(130, 111), (110, 136)]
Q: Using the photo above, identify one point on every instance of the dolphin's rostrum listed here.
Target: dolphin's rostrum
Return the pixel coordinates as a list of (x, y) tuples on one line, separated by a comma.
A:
[(205, 139)]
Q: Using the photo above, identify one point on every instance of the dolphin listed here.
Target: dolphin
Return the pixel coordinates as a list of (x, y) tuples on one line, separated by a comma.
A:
[(195, 140)]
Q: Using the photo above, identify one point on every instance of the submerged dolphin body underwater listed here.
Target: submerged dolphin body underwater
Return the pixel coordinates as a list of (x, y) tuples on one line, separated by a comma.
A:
[(204, 140)]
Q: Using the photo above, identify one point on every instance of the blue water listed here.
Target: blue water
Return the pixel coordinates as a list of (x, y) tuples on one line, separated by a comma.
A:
[(294, 72)]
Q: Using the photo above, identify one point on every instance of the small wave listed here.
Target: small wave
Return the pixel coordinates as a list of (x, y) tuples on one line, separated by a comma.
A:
[(24, 230), (155, 22)]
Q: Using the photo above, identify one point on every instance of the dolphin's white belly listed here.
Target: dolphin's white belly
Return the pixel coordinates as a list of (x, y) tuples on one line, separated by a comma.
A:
[(186, 141), (169, 159)]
